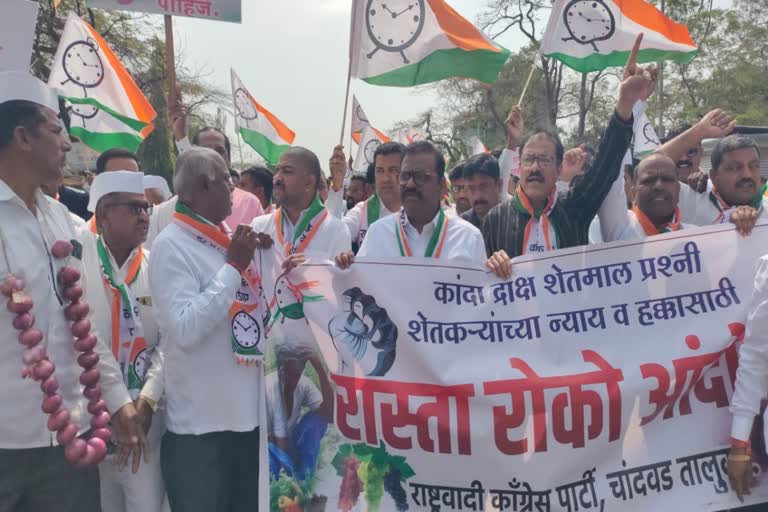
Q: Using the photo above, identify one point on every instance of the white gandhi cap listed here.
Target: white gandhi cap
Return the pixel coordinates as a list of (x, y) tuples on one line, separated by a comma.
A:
[(129, 182), (20, 85)]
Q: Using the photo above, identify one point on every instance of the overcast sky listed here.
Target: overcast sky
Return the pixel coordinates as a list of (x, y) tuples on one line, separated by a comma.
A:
[(292, 55)]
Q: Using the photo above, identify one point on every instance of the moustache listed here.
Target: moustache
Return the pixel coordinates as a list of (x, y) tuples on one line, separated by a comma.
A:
[(411, 193), (746, 182), (535, 176), (480, 202)]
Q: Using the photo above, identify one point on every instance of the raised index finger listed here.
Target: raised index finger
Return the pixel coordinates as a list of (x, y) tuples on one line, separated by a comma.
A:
[(635, 50)]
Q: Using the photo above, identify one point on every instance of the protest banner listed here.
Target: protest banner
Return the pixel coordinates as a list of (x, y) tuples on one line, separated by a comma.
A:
[(597, 378), (17, 33), (218, 10)]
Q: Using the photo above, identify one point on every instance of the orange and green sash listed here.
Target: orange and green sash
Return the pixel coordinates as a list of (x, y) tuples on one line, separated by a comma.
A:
[(436, 242), (540, 234), (650, 228)]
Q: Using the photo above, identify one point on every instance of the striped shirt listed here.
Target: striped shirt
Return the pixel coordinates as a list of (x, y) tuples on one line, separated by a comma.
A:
[(504, 226)]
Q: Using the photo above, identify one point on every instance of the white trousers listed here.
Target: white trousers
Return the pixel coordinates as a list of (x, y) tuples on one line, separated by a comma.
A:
[(124, 491)]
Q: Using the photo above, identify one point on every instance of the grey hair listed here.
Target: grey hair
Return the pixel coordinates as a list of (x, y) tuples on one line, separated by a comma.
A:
[(285, 352), (192, 164), (729, 144)]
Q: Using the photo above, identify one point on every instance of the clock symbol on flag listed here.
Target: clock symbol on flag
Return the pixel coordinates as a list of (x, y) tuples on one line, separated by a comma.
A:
[(361, 115), (370, 149), (244, 105), (648, 133), (394, 25), (588, 21), (83, 67)]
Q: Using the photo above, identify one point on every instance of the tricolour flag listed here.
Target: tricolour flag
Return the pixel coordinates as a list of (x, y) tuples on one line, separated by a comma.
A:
[(365, 150), (590, 35), (476, 146), (108, 108), (403, 43), (360, 121), (646, 141), (259, 127), (409, 135)]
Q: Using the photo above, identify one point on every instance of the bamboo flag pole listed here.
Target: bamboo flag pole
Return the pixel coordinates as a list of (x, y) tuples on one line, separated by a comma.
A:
[(527, 83), (170, 56), (346, 105)]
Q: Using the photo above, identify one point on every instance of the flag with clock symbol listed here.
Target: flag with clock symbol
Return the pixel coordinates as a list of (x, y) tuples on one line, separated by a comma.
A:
[(369, 142), (108, 108)]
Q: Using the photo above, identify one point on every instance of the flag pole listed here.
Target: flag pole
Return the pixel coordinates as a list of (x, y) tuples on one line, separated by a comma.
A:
[(240, 148), (170, 56), (346, 104), (527, 83)]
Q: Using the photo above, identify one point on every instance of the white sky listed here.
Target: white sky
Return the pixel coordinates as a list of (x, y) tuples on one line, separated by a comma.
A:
[(292, 55)]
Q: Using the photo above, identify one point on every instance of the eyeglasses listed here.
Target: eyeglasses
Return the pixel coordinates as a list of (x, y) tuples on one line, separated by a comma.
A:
[(419, 178), (544, 160), (134, 207), (458, 188)]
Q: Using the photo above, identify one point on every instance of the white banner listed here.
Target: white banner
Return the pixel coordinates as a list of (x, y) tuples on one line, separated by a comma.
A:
[(597, 378), (218, 10), (17, 33)]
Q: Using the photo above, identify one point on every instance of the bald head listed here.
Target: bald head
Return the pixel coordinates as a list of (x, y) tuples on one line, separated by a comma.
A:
[(307, 160), (297, 179), (658, 161)]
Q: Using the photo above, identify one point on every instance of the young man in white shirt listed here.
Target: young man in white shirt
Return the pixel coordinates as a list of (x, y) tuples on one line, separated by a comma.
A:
[(34, 474), (214, 405), (118, 202), (387, 160), (421, 227)]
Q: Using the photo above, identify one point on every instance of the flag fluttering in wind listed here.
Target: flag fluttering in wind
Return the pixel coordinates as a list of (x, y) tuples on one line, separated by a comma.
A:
[(360, 121), (476, 146), (108, 108), (590, 35), (365, 150), (258, 127), (406, 136), (646, 141), (403, 43)]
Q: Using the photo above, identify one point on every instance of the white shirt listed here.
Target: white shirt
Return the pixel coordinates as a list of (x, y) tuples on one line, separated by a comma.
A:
[(280, 422), (509, 161), (331, 238), (162, 216), (192, 289), (153, 381), (752, 374), (355, 219), (698, 209), (463, 241), (27, 240)]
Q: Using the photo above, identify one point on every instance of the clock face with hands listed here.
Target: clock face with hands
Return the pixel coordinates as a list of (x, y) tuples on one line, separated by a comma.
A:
[(244, 105), (140, 365), (588, 21), (361, 115), (649, 135), (370, 149), (394, 25), (84, 111), (82, 64), (246, 330)]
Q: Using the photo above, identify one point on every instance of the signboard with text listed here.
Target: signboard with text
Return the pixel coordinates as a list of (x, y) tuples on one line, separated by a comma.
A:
[(217, 10)]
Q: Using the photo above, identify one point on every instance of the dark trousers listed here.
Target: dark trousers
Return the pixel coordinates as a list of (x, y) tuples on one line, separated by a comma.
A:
[(41, 480), (216, 472)]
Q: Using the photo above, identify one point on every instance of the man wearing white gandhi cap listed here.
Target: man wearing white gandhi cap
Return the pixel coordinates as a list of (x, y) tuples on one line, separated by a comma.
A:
[(121, 211), (34, 472)]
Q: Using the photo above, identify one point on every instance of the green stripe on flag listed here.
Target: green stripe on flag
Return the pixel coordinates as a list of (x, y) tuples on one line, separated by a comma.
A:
[(268, 150), (600, 61), (482, 65), (130, 122), (103, 141)]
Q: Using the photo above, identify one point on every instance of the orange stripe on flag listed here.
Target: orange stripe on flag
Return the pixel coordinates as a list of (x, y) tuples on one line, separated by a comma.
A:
[(282, 130), (381, 136), (461, 32), (645, 14), (140, 105), (357, 136)]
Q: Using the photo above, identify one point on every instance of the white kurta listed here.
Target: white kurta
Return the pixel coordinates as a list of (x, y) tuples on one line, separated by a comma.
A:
[(463, 241), (28, 238), (356, 219), (752, 374), (699, 210)]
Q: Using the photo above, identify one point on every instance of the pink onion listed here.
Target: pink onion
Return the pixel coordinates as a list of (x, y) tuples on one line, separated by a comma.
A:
[(100, 420), (23, 322), (102, 433), (88, 359), (8, 286), (50, 385), (52, 403), (31, 337), (43, 369), (73, 293), (92, 392), (61, 249), (68, 276), (96, 406), (85, 343), (99, 447), (81, 328), (76, 311), (34, 355), (67, 434), (90, 377), (20, 305), (75, 450), (58, 420)]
